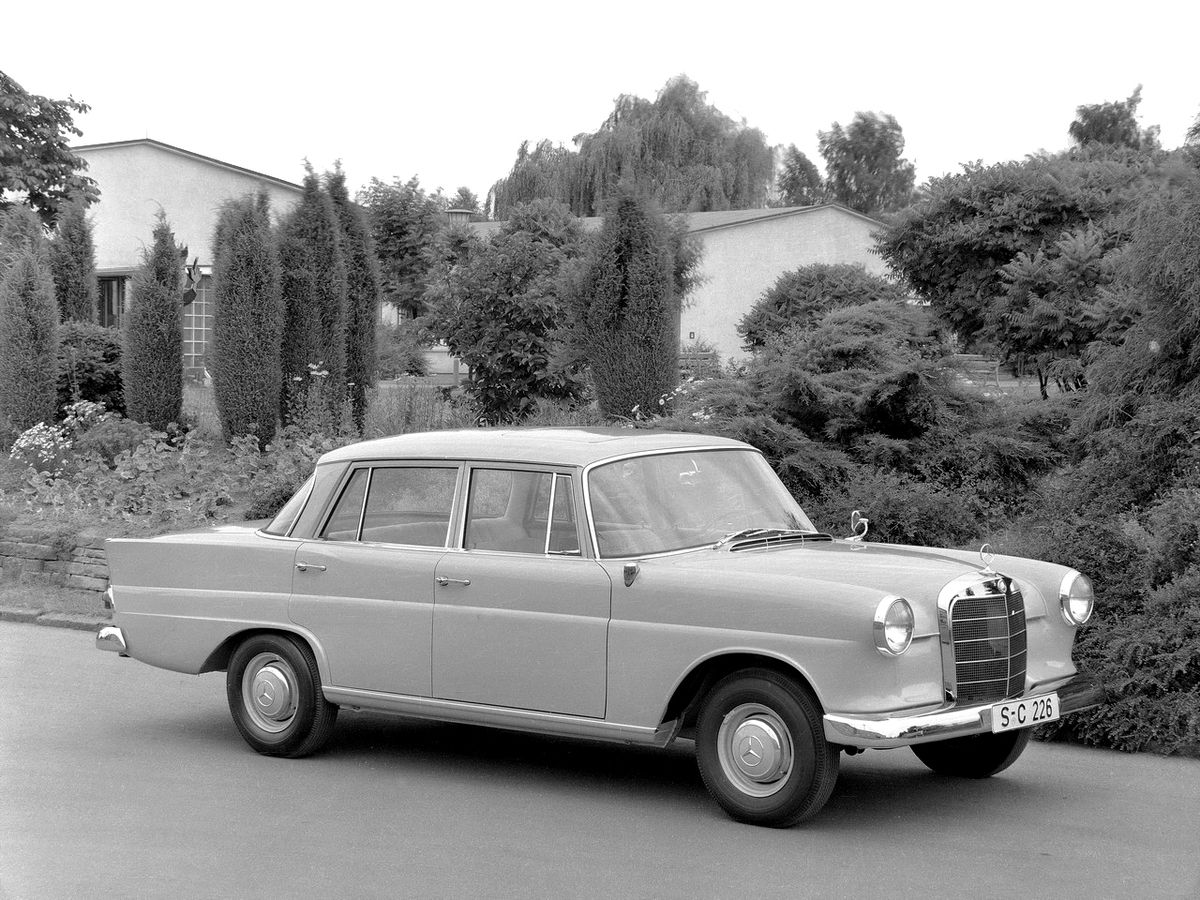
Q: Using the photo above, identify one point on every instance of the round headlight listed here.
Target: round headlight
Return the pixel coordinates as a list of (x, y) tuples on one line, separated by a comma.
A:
[(1076, 599), (893, 626)]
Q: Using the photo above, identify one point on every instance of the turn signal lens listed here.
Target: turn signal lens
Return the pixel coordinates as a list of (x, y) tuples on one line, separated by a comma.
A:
[(1076, 599), (893, 626)]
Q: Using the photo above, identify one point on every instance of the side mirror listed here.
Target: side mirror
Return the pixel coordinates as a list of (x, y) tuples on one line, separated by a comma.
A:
[(858, 526)]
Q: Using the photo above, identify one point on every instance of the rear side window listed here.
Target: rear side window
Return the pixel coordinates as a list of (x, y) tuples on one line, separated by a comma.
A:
[(286, 517), (395, 505)]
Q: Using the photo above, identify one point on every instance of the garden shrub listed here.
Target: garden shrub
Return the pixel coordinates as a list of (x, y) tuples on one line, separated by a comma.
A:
[(400, 351), (89, 365), (152, 349), (112, 437), (73, 261), (28, 343)]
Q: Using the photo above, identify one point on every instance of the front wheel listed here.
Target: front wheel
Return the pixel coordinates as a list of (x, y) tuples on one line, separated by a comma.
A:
[(274, 691), (761, 749), (974, 756)]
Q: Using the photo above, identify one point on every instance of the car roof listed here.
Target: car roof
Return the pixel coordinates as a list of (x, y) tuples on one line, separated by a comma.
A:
[(552, 446)]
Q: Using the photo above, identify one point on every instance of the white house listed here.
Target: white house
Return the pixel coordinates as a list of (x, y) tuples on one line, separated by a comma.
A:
[(139, 178)]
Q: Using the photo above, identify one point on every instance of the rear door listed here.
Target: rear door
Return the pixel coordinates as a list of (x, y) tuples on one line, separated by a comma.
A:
[(364, 588)]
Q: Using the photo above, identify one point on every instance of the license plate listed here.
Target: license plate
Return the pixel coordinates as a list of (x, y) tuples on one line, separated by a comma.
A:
[(1024, 713)]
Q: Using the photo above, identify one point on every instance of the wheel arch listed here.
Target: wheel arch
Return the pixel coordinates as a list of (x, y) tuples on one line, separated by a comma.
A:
[(684, 704), (218, 660)]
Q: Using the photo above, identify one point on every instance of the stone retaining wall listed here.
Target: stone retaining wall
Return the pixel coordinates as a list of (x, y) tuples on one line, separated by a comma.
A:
[(84, 566)]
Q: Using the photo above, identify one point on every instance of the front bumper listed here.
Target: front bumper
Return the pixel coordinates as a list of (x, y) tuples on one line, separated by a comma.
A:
[(111, 638), (881, 732)]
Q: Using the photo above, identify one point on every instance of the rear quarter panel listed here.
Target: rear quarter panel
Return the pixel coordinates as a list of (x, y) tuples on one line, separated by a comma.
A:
[(178, 597)]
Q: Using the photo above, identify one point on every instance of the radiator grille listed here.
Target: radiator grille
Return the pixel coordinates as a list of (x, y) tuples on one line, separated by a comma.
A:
[(988, 636)]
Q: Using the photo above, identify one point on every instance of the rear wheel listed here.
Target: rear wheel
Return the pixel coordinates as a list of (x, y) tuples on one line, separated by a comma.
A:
[(974, 756), (761, 749), (274, 691)]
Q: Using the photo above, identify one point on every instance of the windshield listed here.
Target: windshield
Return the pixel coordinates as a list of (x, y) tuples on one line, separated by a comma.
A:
[(674, 501)]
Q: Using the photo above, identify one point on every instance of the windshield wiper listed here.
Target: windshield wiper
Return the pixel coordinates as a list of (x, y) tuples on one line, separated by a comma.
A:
[(751, 532)]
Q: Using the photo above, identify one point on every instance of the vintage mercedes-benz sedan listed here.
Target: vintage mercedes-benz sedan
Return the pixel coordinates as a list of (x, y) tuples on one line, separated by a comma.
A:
[(621, 585)]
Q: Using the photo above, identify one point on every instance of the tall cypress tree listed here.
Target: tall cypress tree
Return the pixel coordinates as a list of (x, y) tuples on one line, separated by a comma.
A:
[(249, 319), (152, 352), (362, 294), (28, 342), (314, 297), (626, 311), (73, 259)]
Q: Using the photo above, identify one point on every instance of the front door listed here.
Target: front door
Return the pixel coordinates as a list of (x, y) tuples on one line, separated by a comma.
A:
[(520, 616)]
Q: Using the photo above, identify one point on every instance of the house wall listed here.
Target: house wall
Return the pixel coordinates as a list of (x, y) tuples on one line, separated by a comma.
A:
[(137, 180), (740, 262)]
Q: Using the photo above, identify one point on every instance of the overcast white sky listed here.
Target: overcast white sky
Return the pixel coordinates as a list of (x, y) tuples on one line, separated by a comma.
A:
[(447, 91)]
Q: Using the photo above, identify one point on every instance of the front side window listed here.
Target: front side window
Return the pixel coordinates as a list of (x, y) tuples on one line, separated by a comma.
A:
[(673, 501), (510, 511), (403, 505)]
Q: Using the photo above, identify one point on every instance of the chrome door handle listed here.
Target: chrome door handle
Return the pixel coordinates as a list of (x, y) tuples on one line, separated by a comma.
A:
[(443, 581), (304, 567)]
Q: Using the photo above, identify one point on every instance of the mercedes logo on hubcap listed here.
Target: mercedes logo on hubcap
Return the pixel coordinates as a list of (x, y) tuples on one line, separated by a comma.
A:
[(751, 751)]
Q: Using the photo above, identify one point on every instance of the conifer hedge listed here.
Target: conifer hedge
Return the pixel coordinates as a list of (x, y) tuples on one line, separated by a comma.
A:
[(152, 343), (626, 311), (28, 342), (314, 296), (249, 320), (362, 294), (73, 260)]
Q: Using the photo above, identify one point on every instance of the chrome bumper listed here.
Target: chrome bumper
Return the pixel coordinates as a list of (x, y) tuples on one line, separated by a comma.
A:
[(111, 638), (881, 732)]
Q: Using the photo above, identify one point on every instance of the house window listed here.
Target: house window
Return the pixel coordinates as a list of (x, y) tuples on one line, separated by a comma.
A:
[(197, 330), (111, 305)]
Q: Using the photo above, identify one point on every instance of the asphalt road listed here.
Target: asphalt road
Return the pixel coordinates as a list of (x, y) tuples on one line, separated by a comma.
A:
[(119, 780)]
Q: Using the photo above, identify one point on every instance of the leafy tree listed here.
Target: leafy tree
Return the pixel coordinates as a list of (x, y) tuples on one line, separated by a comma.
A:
[(626, 310), (248, 330), (28, 340), (362, 295), (464, 198), (1114, 124), (677, 149), (803, 296), (950, 248), (152, 343), (73, 260), (1051, 311), (863, 163), (404, 220), (800, 183), (36, 162), (499, 310), (314, 295)]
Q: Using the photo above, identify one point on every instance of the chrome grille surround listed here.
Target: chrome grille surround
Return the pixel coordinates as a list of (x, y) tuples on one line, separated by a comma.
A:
[(981, 619)]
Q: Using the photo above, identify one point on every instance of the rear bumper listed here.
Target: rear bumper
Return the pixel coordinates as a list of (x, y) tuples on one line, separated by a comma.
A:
[(111, 638), (881, 732)]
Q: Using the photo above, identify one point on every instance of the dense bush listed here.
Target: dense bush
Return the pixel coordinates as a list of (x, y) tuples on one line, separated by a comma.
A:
[(245, 363), (89, 365), (152, 343), (801, 297), (28, 343)]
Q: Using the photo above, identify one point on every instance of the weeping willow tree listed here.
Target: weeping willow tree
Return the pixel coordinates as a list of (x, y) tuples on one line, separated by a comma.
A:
[(684, 153)]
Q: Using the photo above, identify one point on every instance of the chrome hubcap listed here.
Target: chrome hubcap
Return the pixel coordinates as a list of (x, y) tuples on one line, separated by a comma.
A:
[(755, 749), (269, 692)]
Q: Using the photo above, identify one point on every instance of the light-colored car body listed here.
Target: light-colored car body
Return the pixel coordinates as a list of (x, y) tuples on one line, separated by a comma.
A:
[(530, 600)]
